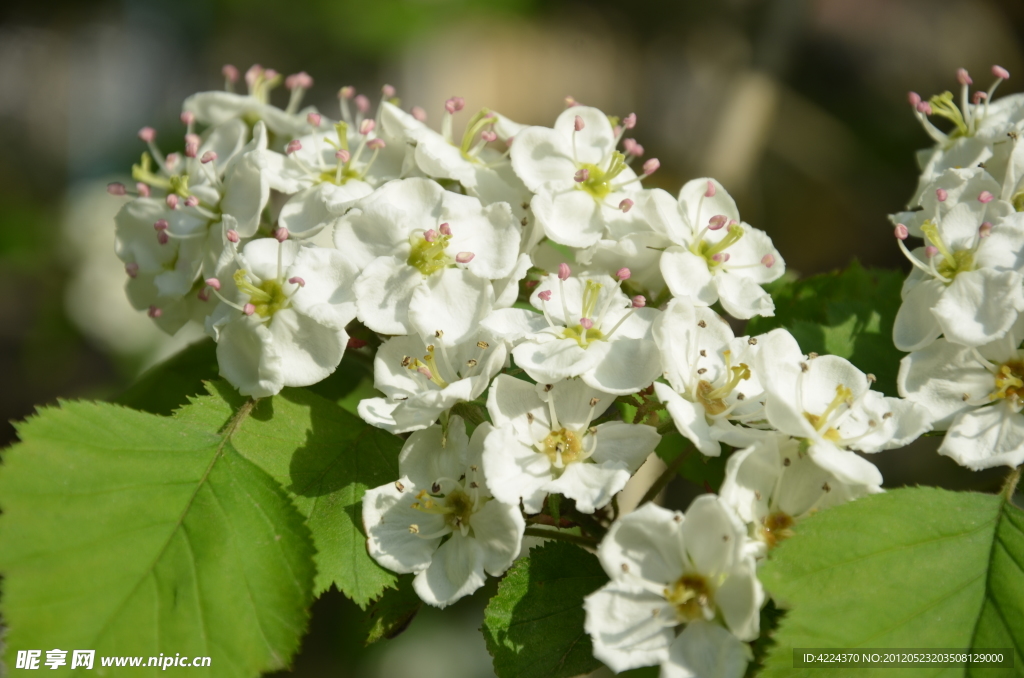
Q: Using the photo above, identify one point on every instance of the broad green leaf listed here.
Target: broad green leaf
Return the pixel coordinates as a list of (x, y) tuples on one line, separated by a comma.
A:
[(534, 625), (326, 458), (167, 386), (134, 534), (392, 613), (848, 313), (911, 568)]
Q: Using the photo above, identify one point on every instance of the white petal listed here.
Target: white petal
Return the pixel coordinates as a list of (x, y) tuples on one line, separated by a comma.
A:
[(628, 366), (939, 376), (384, 291), (739, 599), (515, 470), (387, 515), (699, 209), (986, 437), (541, 155), (629, 627), (980, 306), (456, 570), (687, 275), (326, 295), (690, 419), (629, 443), (428, 454), (712, 535), (706, 650), (915, 326), (750, 478), (249, 358), (569, 216), (512, 324), (498, 529), (309, 351), (592, 486), (454, 301), (646, 544), (848, 466), (743, 298), (557, 359)]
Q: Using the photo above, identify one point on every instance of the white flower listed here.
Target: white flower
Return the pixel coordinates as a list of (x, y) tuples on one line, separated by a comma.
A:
[(579, 179), (421, 378), (286, 324), (670, 570), (712, 393), (828, 403), (966, 282), (428, 257), (587, 328), (714, 257), (543, 444), (975, 393), (440, 520), (215, 108), (951, 188), (773, 484)]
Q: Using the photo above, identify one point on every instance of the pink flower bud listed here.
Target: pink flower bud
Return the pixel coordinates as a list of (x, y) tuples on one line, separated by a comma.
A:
[(445, 229), (564, 271), (544, 295), (116, 188), (629, 122), (941, 194), (208, 157), (154, 312), (229, 72), (623, 273), (768, 260), (717, 222), (586, 323), (314, 119), (464, 257), (581, 175), (296, 280), (232, 235), (281, 234), (419, 113), (625, 205), (1001, 72), (248, 309), (147, 134), (901, 232), (578, 124), (651, 166), (293, 146), (639, 301), (213, 282), (367, 126), (962, 77), (985, 197)]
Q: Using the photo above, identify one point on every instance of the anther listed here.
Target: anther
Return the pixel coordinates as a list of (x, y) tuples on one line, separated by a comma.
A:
[(419, 114), (248, 309), (930, 251), (132, 269), (116, 188), (914, 98), (871, 378), (564, 271), (172, 200), (346, 92), (978, 97), (192, 142), (147, 134), (213, 282), (187, 117), (208, 157), (399, 486), (804, 367), (702, 370), (154, 312), (544, 295), (924, 107), (701, 324), (586, 323), (455, 104), (901, 232), (342, 156), (985, 197), (717, 222), (752, 341), (720, 257), (629, 122), (296, 280), (1000, 72), (768, 260), (710, 193), (639, 301), (489, 135), (941, 194), (626, 205), (232, 235), (191, 201), (430, 236), (293, 146), (471, 363), (632, 147), (570, 101), (623, 273), (301, 79), (482, 344), (314, 119), (651, 166), (143, 189), (548, 387), (445, 229), (581, 175), (985, 230), (375, 144), (160, 225), (229, 72), (367, 126), (464, 257), (362, 103), (962, 77), (578, 124), (281, 234)]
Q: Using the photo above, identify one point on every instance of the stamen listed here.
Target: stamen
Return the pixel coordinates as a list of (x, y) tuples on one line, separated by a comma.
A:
[(985, 197), (623, 274), (116, 188), (632, 148), (281, 234), (232, 235), (314, 119), (419, 114), (639, 301), (578, 124), (296, 280), (362, 104), (768, 260), (147, 134), (445, 229), (629, 122), (293, 146), (367, 126), (581, 176), (941, 194), (717, 222), (208, 157), (626, 205), (249, 309), (464, 257), (710, 193), (651, 166), (375, 145), (155, 312), (985, 230), (162, 237), (901, 232), (142, 188), (132, 269)]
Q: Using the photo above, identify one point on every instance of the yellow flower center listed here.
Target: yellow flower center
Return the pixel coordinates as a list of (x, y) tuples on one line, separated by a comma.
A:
[(690, 595)]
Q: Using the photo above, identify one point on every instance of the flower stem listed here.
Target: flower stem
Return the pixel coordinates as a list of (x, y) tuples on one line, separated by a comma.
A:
[(1010, 486)]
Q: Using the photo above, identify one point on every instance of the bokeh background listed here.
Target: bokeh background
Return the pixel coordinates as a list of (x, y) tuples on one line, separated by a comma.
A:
[(797, 106)]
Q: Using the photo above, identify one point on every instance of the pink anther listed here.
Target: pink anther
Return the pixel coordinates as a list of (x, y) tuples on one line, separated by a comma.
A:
[(248, 309), (901, 232), (162, 237), (154, 312), (147, 134), (208, 157), (930, 251), (581, 175), (367, 126), (419, 113), (293, 146), (229, 72), (962, 77), (544, 295), (362, 103), (343, 156), (192, 201), (717, 222), (578, 124), (232, 235), (914, 98), (586, 323), (625, 205), (187, 117), (639, 301), (489, 135), (632, 147), (388, 91), (941, 194), (464, 257), (296, 280), (160, 225), (172, 200), (623, 273), (142, 188), (651, 166), (445, 229), (116, 188), (768, 260), (430, 236), (346, 92), (1000, 72), (132, 269), (375, 144), (985, 197), (564, 271), (213, 282), (924, 107), (355, 342), (710, 192), (985, 230), (281, 234), (314, 119), (629, 122)]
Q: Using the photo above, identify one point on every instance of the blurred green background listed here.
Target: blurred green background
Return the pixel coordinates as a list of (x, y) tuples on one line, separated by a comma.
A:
[(797, 106)]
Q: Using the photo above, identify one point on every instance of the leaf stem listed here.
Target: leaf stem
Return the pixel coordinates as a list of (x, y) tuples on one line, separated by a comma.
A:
[(665, 478), (561, 536), (1010, 486), (239, 416)]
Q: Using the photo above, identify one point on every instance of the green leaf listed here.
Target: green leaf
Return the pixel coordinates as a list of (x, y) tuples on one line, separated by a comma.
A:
[(167, 386), (534, 625), (326, 458), (134, 534), (392, 613), (848, 313), (911, 568), (696, 467)]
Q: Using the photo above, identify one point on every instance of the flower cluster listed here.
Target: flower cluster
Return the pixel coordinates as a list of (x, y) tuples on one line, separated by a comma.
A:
[(517, 288), (962, 302)]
